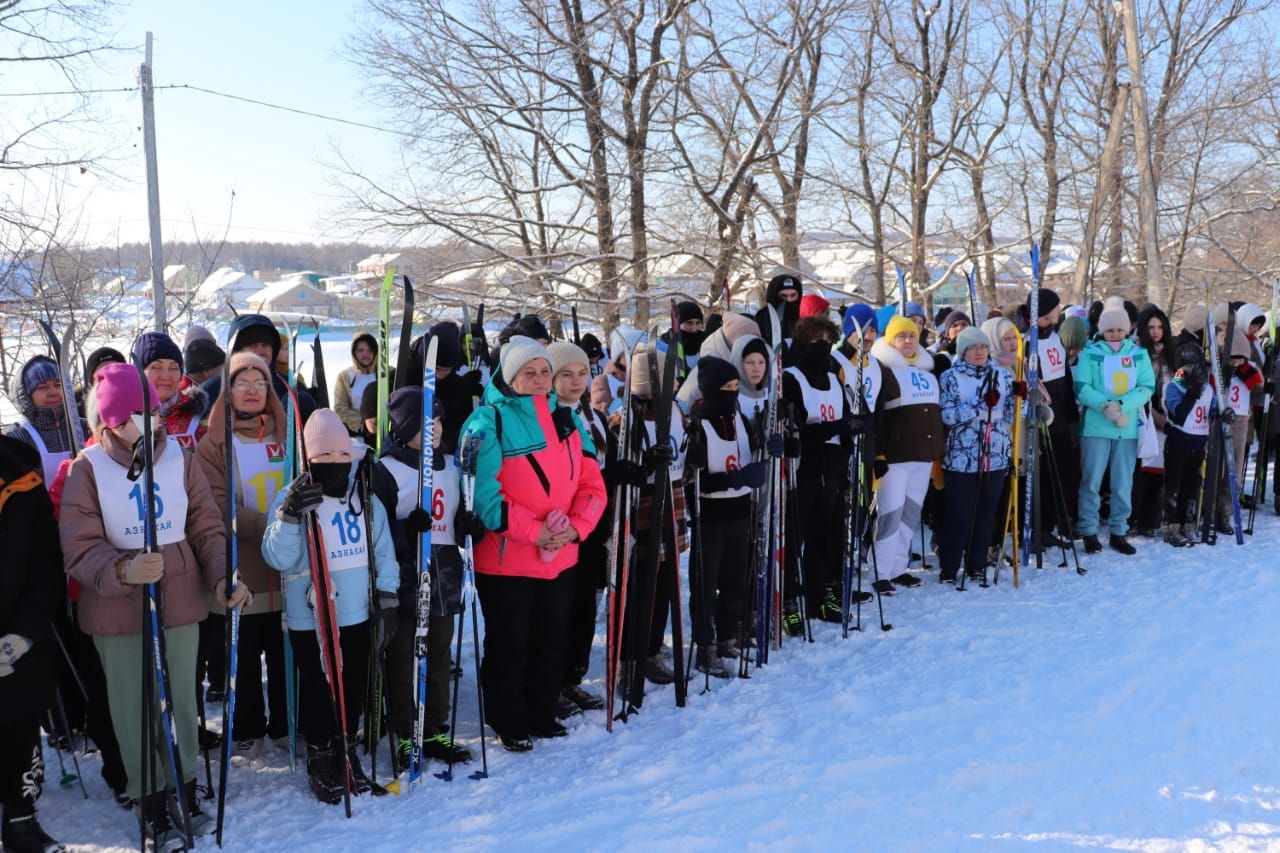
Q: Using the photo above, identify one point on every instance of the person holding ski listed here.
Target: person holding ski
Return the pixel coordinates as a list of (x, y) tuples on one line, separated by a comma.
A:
[(396, 484), (721, 452), (1156, 337), (258, 445), (31, 591), (752, 358), (977, 406), (182, 402), (853, 349), (571, 374), (540, 492), (348, 390), (256, 333), (1114, 380), (329, 490), (36, 390), (1191, 407), (102, 535), (910, 438), (783, 292)]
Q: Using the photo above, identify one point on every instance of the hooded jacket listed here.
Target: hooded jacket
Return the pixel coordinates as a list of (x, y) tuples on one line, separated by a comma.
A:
[(212, 386), (192, 567), (905, 432), (966, 416), (345, 401), (1093, 388), (532, 459), (719, 344), (49, 425)]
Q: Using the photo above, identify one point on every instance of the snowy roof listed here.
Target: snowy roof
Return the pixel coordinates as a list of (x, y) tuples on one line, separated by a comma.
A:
[(228, 282), (294, 289)]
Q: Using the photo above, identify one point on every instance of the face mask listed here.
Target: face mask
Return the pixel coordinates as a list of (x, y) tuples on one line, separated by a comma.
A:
[(333, 477), (721, 402), (814, 355)]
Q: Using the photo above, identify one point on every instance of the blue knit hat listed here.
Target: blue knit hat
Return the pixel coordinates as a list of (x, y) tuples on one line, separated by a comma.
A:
[(915, 309), (151, 346), (863, 314)]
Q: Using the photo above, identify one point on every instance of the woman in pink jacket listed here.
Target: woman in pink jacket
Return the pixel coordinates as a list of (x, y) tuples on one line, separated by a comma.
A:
[(539, 490)]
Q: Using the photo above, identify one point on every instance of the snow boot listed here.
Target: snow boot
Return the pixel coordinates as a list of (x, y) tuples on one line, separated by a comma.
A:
[(165, 837), (201, 822), (1174, 536), (946, 576), (728, 649), (791, 621), (1119, 543), (656, 670), (512, 743), (830, 609), (324, 769), (1224, 527), (22, 833), (550, 731), (1091, 544), (906, 579), (442, 748), (566, 707), (883, 587), (709, 662), (583, 698)]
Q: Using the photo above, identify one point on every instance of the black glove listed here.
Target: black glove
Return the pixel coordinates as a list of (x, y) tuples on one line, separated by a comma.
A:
[(881, 468), (1268, 388), (386, 620), (853, 426), (302, 497), (775, 445), (791, 448), (467, 523), (659, 457), (753, 474), (627, 473), (417, 521)]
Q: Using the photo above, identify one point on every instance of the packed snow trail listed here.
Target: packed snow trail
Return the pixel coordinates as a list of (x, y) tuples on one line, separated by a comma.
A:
[(1134, 708)]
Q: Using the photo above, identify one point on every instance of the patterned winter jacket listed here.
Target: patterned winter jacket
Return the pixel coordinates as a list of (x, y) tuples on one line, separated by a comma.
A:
[(967, 415)]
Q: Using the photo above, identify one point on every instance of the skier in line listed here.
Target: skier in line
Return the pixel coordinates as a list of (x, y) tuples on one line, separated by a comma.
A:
[(348, 388), (331, 493), (101, 528), (540, 493), (182, 402), (36, 389), (31, 591), (258, 443)]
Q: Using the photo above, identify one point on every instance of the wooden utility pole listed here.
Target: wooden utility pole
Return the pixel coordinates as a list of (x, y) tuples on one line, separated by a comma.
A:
[(1142, 142), (1106, 174), (146, 80)]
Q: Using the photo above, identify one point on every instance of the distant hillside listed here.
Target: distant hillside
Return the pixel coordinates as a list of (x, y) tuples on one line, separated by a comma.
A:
[(269, 258)]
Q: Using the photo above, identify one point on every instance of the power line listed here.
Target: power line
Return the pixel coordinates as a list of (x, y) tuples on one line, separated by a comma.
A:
[(216, 93)]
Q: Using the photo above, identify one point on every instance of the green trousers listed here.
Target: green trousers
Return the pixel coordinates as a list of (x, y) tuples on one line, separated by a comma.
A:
[(122, 664)]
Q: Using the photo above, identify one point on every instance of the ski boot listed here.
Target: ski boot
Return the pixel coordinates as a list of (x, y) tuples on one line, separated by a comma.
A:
[(361, 783), (22, 833), (791, 621), (201, 822), (442, 748), (165, 837), (1174, 537), (324, 769)]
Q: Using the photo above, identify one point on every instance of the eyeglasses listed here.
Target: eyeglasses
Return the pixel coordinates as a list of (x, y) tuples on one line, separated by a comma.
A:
[(245, 387)]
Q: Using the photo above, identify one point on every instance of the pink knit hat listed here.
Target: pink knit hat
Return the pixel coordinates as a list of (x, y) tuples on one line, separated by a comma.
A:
[(325, 433), (119, 394)]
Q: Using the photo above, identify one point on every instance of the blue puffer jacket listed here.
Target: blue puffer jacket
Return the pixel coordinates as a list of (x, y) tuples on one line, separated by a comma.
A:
[(965, 415), (284, 549)]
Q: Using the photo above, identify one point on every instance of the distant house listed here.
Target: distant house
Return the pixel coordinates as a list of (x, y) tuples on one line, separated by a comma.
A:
[(224, 285), (292, 296), (19, 281)]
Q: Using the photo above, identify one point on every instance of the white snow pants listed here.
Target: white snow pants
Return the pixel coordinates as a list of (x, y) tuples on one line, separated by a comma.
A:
[(899, 501)]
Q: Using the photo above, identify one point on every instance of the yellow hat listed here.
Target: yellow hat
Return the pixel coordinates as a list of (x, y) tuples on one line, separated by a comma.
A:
[(898, 325)]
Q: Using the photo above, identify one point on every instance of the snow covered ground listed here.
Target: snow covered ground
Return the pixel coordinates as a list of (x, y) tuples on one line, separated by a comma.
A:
[(1134, 708)]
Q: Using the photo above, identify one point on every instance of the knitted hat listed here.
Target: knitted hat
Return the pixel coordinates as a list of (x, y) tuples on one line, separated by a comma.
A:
[(563, 354), (1220, 313), (863, 314), (1073, 333), (99, 357), (255, 329), (243, 361), (813, 305), (592, 347), (517, 352), (783, 281), (914, 309), (995, 328), (1047, 302), (37, 371), (203, 354), (196, 332), (1113, 301), (152, 346), (736, 325), (404, 410), (713, 373), (325, 433), (639, 373), (1113, 319), (1188, 352), (971, 337), (686, 311), (119, 394), (1195, 317), (448, 344), (954, 317), (898, 325)]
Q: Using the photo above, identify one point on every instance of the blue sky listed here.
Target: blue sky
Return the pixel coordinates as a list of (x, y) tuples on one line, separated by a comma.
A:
[(282, 51)]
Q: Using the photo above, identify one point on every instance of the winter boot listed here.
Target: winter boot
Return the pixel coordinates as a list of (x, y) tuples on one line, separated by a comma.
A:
[(830, 610), (442, 748), (1224, 527), (582, 698), (512, 743), (709, 662), (1119, 543), (728, 649), (22, 833), (656, 670), (1091, 544), (906, 579), (201, 822), (1174, 536), (566, 707), (324, 769), (883, 587), (791, 621), (165, 837), (550, 731)]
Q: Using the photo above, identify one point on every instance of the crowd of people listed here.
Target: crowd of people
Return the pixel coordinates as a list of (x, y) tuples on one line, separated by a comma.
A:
[(817, 440)]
